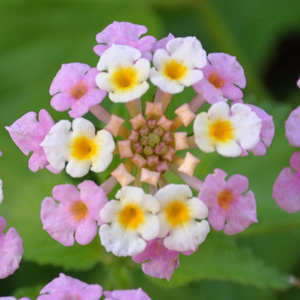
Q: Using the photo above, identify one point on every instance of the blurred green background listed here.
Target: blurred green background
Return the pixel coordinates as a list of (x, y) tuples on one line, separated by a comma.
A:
[(38, 36)]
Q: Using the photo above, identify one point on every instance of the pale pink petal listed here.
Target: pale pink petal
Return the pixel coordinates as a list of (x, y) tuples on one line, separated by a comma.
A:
[(66, 287), (125, 33), (286, 189), (11, 250), (158, 261), (292, 131), (138, 294)]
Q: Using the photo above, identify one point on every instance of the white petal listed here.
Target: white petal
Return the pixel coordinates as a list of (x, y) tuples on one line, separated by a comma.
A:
[(110, 211), (197, 208), (126, 95), (84, 127), (104, 82), (248, 125), (172, 192), (187, 238), (56, 144), (150, 228), (218, 111), (121, 242), (189, 50), (78, 168), (201, 131), (131, 195)]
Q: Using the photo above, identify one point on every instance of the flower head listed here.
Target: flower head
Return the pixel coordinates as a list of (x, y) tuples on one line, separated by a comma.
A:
[(74, 88), (66, 287), (125, 33), (75, 212), (178, 66), (11, 250), (178, 215), (228, 203), (81, 148), (228, 131), (126, 75), (223, 78), (132, 222), (27, 133)]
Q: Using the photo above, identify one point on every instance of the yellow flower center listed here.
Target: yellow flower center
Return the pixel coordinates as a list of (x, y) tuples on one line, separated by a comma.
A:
[(83, 148), (216, 80), (177, 213), (221, 131), (79, 211), (174, 70), (225, 198), (125, 78), (131, 216), (79, 90)]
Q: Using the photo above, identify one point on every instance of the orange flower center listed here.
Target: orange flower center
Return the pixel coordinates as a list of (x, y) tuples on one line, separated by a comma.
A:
[(177, 213), (131, 216), (174, 70), (79, 211), (221, 131), (216, 80), (225, 198), (125, 78), (79, 90), (83, 148)]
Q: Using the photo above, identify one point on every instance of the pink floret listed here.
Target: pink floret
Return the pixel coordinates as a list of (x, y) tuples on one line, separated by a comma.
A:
[(223, 79), (73, 212), (292, 131), (137, 294), (11, 250), (66, 287), (286, 189), (229, 208), (125, 33), (74, 88), (27, 133), (158, 261)]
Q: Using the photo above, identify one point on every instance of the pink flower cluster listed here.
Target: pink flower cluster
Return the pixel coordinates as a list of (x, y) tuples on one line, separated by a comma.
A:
[(286, 189), (66, 287), (156, 224)]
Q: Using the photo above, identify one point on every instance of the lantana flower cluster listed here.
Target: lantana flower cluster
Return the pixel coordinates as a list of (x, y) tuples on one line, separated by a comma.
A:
[(149, 218), (67, 287), (286, 189)]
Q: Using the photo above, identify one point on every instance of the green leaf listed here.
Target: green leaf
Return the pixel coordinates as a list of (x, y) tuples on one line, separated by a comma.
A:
[(221, 258)]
